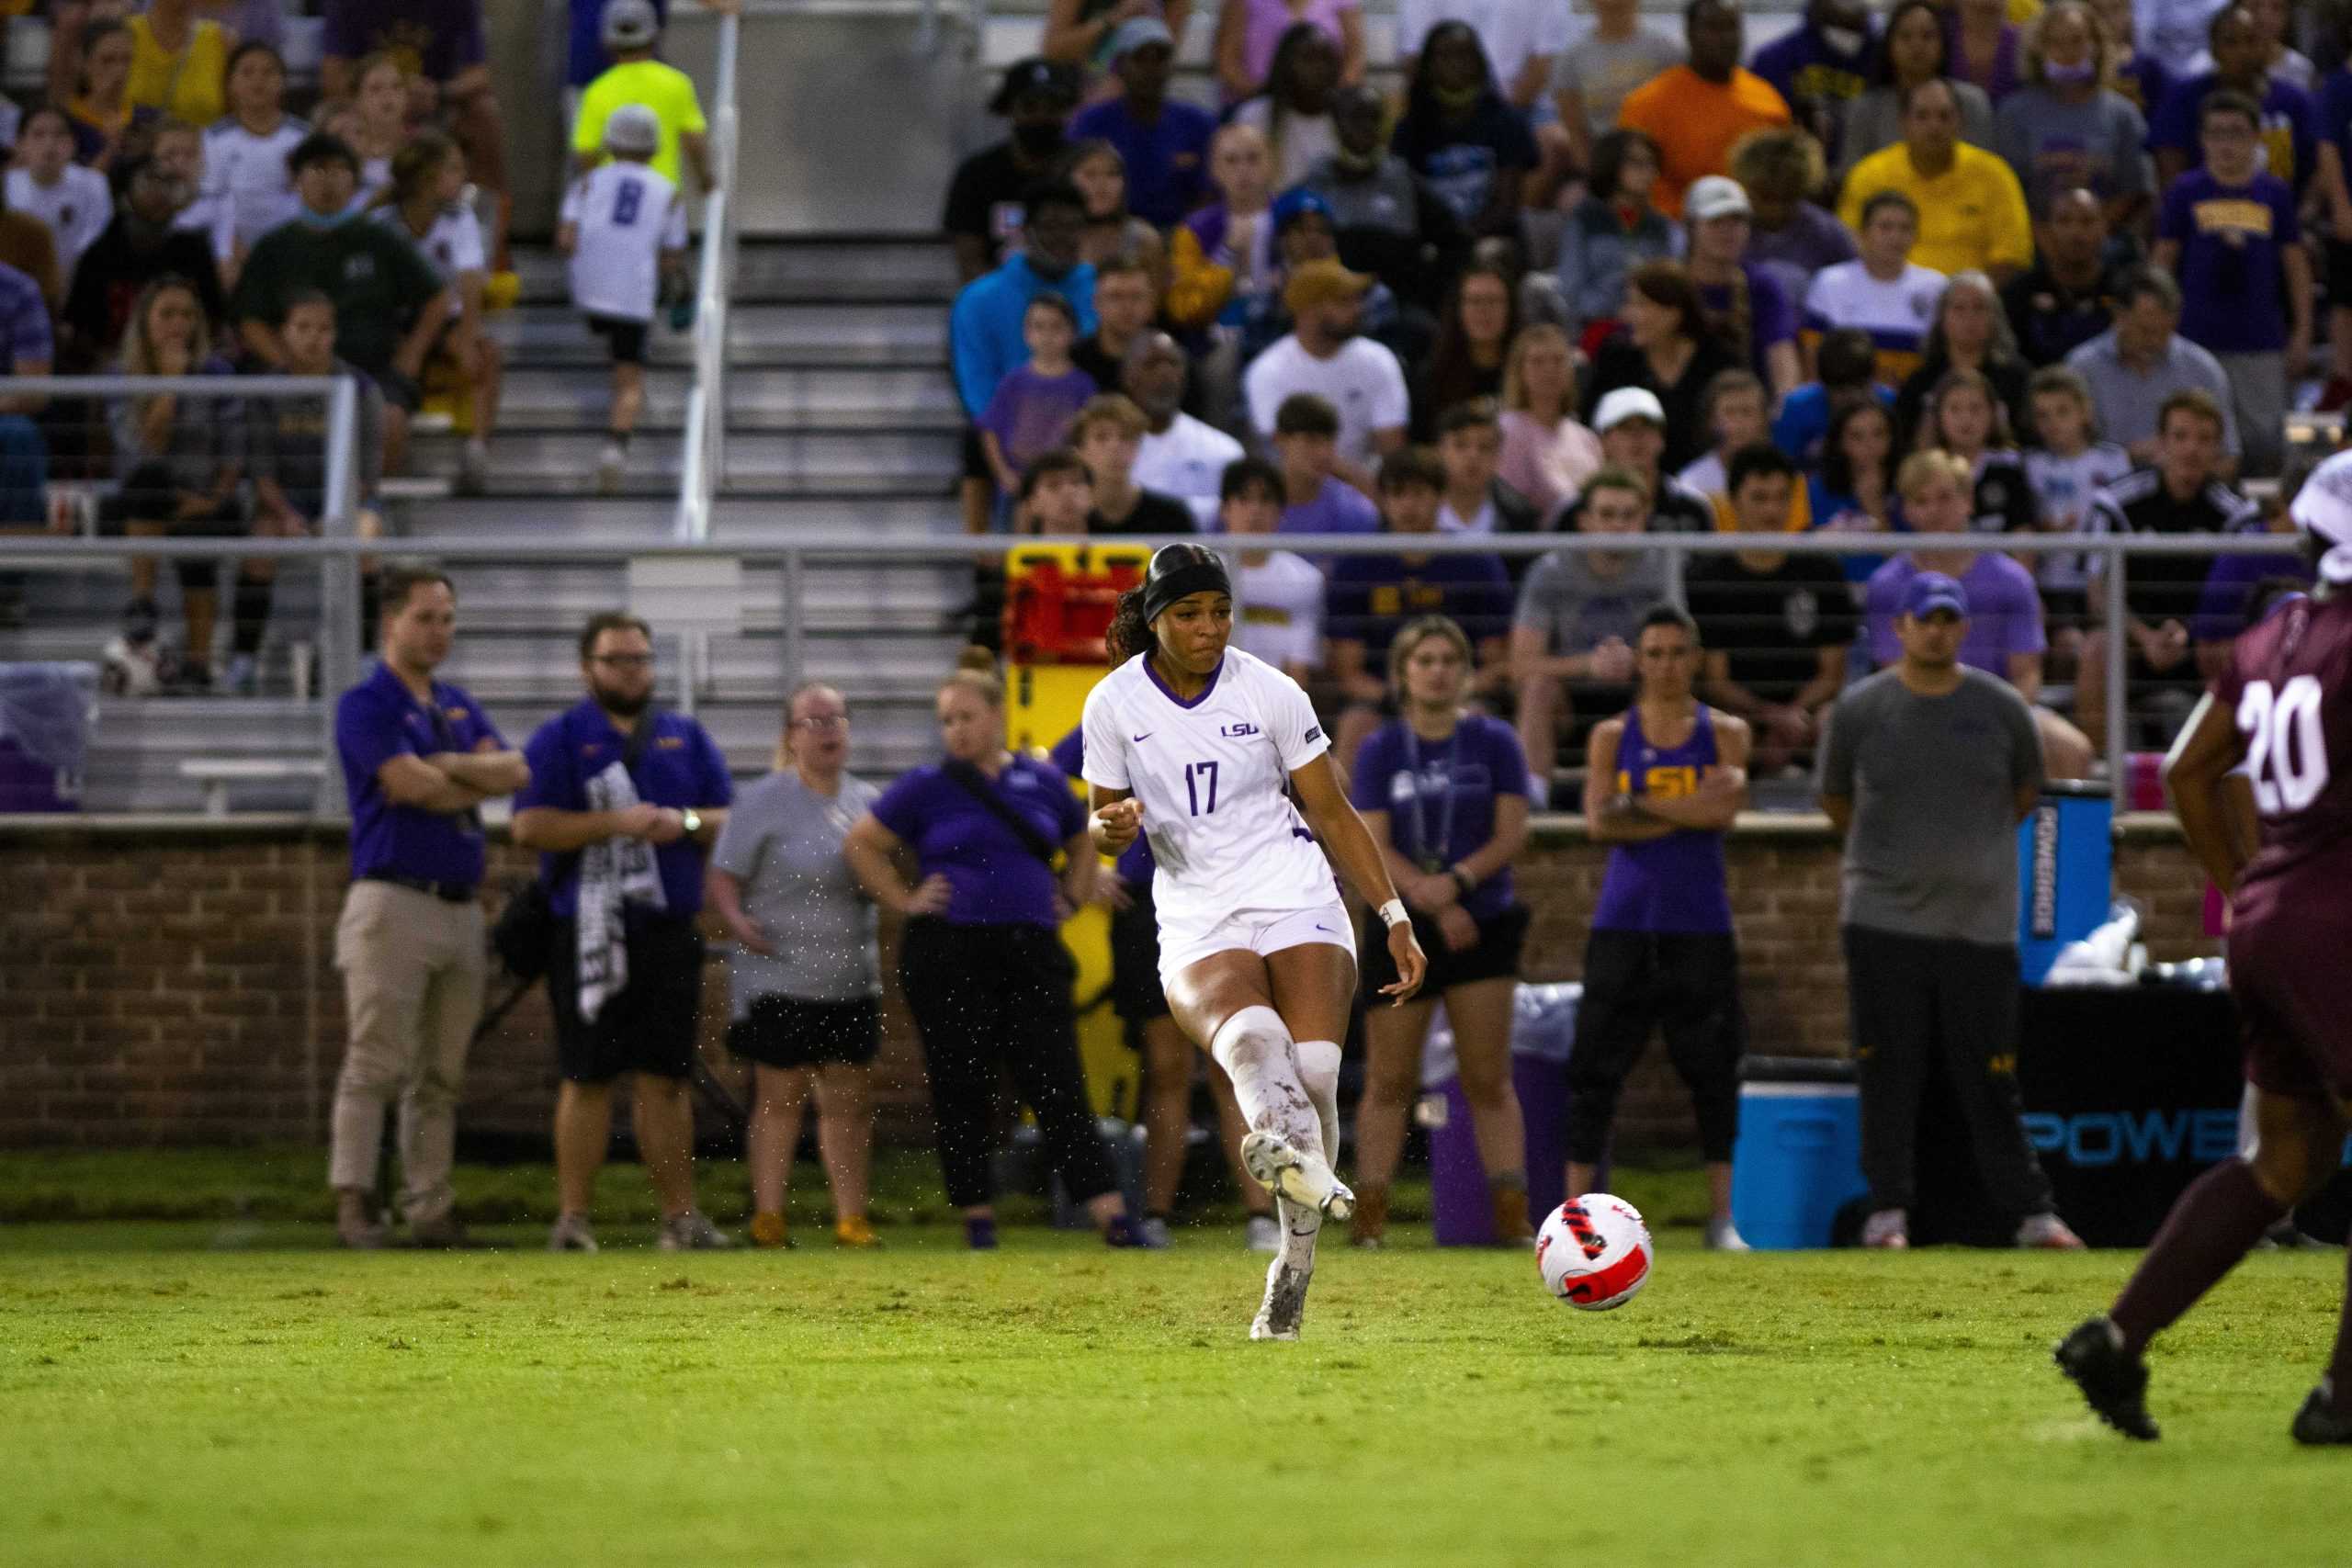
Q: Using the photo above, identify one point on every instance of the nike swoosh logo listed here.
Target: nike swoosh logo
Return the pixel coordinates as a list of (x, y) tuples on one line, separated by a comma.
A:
[(1146, 735), (1322, 927)]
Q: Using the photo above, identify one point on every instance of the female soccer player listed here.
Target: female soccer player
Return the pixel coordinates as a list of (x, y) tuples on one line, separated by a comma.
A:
[(1192, 743)]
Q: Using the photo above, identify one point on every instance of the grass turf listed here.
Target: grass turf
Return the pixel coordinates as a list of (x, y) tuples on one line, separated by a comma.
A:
[(227, 1390)]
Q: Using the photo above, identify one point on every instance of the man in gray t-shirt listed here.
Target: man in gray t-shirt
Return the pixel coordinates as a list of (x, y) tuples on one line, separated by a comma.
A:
[(1580, 614), (1928, 770)]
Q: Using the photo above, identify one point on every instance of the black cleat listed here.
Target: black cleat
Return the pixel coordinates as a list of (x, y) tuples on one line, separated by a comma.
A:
[(2114, 1384), (2318, 1423)]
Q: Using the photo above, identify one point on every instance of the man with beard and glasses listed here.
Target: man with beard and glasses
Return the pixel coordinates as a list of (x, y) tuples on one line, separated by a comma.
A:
[(625, 802)]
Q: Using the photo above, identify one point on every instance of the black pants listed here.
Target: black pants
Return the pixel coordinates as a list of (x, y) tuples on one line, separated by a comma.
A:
[(1683, 984), (1919, 1002), (989, 1000)]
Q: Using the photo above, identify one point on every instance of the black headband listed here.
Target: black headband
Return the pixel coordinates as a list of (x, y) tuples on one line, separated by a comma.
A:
[(1163, 588)]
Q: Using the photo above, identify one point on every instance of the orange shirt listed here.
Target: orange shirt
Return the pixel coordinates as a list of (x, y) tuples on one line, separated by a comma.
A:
[(1694, 123)]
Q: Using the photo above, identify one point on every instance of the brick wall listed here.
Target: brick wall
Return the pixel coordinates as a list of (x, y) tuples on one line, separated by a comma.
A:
[(174, 984)]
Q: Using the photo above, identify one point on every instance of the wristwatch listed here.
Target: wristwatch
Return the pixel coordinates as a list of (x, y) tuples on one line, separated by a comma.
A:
[(692, 821)]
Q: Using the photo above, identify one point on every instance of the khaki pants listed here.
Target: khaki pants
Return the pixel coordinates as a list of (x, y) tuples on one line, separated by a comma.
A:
[(413, 971)]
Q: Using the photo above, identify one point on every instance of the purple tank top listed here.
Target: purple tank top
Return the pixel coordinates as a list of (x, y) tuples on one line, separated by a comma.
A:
[(1674, 884)]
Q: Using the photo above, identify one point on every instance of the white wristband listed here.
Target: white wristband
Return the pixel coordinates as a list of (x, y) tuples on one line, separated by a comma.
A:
[(1392, 914)]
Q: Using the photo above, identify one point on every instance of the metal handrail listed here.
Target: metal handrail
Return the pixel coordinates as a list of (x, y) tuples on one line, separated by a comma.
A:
[(706, 436), (340, 553)]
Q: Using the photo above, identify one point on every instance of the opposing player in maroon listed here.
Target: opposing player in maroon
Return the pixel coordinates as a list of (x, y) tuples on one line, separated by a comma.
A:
[(2282, 711)]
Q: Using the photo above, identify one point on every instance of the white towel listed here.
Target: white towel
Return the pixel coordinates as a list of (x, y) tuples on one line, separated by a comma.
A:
[(612, 873)]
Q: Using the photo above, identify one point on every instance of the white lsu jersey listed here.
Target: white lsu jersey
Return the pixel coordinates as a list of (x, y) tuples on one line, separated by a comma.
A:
[(627, 216), (1211, 774)]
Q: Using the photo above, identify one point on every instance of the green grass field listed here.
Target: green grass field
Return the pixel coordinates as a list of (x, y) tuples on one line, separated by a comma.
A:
[(227, 1390)]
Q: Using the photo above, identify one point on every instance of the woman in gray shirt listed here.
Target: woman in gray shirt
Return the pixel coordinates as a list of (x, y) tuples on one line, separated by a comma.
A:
[(806, 978)]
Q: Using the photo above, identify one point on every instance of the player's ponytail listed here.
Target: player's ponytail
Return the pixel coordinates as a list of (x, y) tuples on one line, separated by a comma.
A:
[(1130, 634)]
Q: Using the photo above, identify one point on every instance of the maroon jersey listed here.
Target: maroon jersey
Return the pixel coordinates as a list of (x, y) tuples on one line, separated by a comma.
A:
[(2290, 685)]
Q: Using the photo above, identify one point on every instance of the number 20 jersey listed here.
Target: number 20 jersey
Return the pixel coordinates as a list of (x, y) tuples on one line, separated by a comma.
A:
[(1210, 774), (2288, 685)]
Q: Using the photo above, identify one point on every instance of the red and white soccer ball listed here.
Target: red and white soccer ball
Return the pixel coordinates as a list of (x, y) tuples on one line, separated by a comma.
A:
[(1594, 1252)]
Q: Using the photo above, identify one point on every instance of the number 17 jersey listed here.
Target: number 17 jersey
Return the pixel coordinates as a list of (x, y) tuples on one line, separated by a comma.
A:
[(1211, 774), (2288, 685)]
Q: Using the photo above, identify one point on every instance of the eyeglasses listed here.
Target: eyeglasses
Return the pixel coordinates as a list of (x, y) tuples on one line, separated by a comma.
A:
[(624, 661), (821, 721)]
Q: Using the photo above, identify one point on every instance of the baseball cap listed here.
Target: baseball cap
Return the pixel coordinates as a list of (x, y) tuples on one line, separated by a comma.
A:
[(1624, 403), (629, 24), (1035, 75), (1716, 195), (1296, 203), (1933, 591), (1136, 32), (633, 128), (2323, 508), (1324, 282)]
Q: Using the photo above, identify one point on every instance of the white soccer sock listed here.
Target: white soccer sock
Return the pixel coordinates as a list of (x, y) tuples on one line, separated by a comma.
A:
[(1255, 1050), (1318, 1070), (1302, 1223)]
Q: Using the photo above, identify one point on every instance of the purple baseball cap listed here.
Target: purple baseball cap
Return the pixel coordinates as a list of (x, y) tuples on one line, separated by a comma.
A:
[(1933, 591)]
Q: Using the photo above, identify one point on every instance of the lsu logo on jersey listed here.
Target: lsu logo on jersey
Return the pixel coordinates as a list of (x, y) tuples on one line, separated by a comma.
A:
[(1666, 784), (1237, 731)]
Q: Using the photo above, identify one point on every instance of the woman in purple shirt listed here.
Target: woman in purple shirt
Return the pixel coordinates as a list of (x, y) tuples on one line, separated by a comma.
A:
[(1444, 793), (982, 963)]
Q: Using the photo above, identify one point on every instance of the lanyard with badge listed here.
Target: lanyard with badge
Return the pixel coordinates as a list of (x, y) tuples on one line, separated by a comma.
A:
[(1430, 852)]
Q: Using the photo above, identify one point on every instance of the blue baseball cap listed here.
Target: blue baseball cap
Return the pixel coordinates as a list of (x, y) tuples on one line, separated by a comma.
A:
[(1296, 203), (1933, 591)]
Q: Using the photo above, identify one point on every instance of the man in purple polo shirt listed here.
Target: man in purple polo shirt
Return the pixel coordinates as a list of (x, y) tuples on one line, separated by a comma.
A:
[(419, 758), (2004, 635), (624, 804)]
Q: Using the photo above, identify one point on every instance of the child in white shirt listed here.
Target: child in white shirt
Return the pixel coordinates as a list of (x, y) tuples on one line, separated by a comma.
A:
[(624, 227)]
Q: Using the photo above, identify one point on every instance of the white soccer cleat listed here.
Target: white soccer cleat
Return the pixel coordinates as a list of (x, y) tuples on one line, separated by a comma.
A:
[(1285, 1304), (1290, 1172)]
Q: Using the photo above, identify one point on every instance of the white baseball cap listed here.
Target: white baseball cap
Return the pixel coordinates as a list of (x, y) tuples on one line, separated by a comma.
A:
[(1624, 403), (1715, 196), (2323, 508), (633, 128)]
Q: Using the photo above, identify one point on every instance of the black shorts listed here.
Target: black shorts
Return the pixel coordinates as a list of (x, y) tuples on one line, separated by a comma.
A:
[(1494, 956), (788, 1032), (650, 1024), (148, 494), (626, 338), (1135, 994)]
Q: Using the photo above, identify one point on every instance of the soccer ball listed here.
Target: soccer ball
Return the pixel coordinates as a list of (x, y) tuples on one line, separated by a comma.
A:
[(1594, 1252)]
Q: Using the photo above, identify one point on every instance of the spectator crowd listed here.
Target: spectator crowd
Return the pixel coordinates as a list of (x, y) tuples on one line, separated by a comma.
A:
[(178, 204), (1653, 281)]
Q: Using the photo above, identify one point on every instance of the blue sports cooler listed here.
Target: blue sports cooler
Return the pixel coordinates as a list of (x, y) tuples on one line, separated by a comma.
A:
[(2065, 868), (1799, 1158)]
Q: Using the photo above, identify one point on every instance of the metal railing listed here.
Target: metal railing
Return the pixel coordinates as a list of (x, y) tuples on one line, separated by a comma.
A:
[(339, 554), (704, 467)]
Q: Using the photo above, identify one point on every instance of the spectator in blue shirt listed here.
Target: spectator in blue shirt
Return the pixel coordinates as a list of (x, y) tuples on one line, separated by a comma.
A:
[(419, 758), (982, 965), (625, 802), (984, 328), (2229, 232), (1164, 141)]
